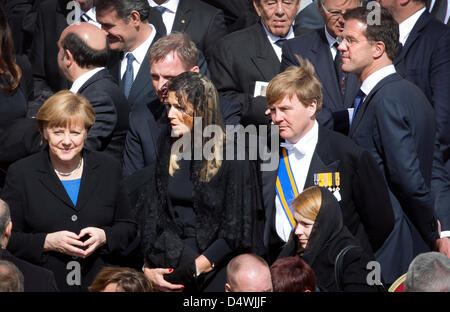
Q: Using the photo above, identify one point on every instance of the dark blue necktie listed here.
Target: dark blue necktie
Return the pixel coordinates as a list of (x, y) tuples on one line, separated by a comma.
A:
[(128, 77), (280, 42), (358, 99), (340, 74), (161, 9)]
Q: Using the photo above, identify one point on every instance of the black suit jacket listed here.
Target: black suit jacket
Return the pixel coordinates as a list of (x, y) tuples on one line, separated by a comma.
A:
[(142, 91), (204, 24), (51, 21), (395, 123), (40, 205), (365, 203), (111, 114), (36, 278), (314, 47), (241, 59)]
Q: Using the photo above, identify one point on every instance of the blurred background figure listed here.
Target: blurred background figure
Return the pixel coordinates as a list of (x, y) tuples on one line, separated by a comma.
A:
[(248, 273), (11, 279), (292, 274), (69, 211), (428, 272), (112, 279)]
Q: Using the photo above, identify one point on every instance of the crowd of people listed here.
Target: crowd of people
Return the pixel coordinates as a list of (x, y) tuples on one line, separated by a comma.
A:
[(224, 146)]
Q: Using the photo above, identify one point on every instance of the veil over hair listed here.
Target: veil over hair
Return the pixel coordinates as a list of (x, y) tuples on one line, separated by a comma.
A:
[(199, 92)]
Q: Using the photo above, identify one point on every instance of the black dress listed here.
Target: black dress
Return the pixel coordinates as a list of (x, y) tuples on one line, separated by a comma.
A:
[(327, 239), (184, 218)]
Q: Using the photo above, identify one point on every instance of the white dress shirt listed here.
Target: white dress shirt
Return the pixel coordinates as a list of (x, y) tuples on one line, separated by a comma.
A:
[(299, 159), (140, 53), (273, 39), (331, 42), (80, 81), (370, 82), (168, 16)]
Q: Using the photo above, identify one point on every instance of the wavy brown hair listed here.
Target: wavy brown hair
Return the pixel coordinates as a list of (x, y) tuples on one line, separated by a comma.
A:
[(10, 73)]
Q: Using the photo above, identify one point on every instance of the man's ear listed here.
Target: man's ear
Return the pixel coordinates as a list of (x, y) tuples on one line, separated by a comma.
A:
[(227, 287), (135, 18), (312, 109), (379, 49), (195, 69), (256, 6), (68, 57), (7, 235)]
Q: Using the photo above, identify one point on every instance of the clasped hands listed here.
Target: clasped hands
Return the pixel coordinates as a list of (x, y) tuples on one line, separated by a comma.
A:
[(79, 245)]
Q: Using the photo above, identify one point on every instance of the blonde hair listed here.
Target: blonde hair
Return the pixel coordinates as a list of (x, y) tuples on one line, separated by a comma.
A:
[(296, 80), (308, 203), (65, 108)]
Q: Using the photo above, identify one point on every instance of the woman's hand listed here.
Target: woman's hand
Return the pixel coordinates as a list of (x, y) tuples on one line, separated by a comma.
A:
[(156, 277), (64, 242), (96, 238)]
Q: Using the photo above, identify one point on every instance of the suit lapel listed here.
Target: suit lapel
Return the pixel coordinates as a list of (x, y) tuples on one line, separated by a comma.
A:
[(143, 78), (321, 161), (265, 59), (325, 69), (89, 180), (415, 33), (182, 17), (49, 179), (364, 105)]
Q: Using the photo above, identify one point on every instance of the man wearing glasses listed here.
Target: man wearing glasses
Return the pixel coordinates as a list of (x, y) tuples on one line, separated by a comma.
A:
[(320, 47), (395, 122)]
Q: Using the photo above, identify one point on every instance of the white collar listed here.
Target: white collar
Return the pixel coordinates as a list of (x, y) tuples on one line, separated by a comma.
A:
[(307, 143), (169, 5), (140, 53), (370, 82), (407, 25), (273, 38), (80, 81)]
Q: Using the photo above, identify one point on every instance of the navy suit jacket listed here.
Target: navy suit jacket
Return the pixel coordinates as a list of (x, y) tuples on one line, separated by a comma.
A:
[(314, 47), (425, 61), (365, 203), (395, 123), (111, 114)]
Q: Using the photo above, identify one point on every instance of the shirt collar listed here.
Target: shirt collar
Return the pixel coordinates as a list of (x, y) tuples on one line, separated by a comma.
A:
[(331, 40), (140, 53), (80, 81), (407, 25), (376, 77), (273, 38), (169, 5), (307, 143)]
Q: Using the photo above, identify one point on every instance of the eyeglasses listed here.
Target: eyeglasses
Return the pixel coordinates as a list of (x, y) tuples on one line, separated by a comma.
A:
[(335, 13), (349, 41)]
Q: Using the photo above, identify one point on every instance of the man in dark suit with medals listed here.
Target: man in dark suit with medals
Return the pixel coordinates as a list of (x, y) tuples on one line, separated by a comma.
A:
[(314, 155)]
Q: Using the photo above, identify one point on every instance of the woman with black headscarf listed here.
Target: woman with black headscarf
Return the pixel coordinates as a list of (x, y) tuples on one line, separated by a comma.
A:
[(199, 209), (323, 242)]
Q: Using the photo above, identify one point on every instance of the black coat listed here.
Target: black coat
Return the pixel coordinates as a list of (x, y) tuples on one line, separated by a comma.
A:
[(40, 205), (328, 237), (227, 210), (36, 278), (365, 204), (111, 114)]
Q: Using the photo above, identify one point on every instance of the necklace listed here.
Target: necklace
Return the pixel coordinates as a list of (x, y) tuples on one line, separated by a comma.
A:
[(66, 174)]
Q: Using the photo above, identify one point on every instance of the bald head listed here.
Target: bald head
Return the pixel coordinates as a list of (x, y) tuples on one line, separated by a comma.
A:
[(82, 43), (92, 36), (248, 273)]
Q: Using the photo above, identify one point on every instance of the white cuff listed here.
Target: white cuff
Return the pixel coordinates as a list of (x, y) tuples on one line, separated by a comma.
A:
[(445, 234)]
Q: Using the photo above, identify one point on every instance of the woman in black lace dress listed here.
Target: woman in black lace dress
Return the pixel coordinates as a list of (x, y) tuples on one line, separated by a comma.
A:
[(199, 209)]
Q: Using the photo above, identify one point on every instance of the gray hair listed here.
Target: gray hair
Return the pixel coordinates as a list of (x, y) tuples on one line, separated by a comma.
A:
[(428, 272), (5, 217), (11, 279)]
